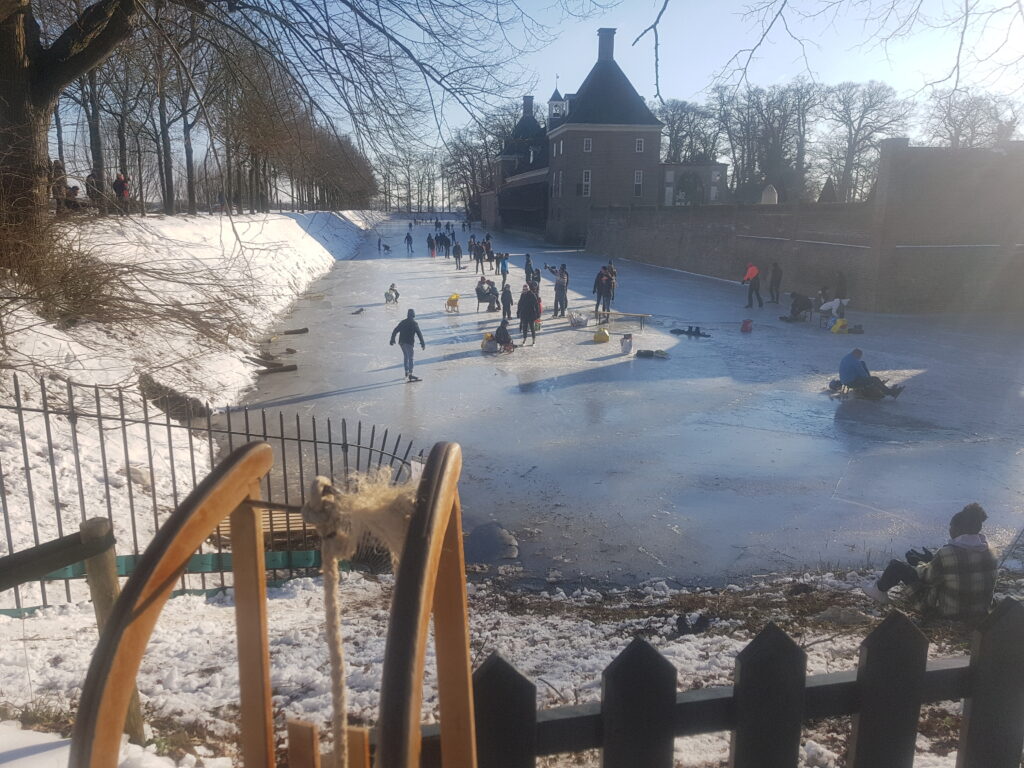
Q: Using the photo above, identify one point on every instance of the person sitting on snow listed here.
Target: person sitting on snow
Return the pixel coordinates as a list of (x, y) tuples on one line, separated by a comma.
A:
[(956, 582), (799, 305), (853, 373), (503, 337)]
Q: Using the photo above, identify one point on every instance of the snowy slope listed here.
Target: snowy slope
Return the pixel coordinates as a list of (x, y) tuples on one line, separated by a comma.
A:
[(263, 261)]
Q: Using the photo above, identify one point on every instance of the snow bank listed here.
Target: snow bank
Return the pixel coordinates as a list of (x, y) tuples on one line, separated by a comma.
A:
[(262, 261)]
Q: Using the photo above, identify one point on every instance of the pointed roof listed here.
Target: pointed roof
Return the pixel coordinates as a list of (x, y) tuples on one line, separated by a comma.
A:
[(527, 128), (556, 96), (607, 97)]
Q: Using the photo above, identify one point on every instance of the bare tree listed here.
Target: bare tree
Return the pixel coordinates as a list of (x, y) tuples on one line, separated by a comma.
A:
[(861, 114), (691, 133), (962, 118)]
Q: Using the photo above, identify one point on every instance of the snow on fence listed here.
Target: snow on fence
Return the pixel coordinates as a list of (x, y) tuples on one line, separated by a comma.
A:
[(641, 714), (69, 452)]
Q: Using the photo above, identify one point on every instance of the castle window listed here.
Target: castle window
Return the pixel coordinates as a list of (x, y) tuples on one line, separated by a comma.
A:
[(585, 186), (561, 148), (588, 144), (531, 155), (559, 183), (638, 182), (639, 145)]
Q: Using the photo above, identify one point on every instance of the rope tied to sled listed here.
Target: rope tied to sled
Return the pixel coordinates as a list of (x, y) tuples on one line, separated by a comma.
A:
[(375, 512)]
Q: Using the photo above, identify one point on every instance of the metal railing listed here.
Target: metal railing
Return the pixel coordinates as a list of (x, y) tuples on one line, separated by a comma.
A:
[(101, 451)]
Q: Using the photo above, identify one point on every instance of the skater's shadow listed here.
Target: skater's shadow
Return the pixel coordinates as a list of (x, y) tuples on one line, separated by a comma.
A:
[(284, 402)]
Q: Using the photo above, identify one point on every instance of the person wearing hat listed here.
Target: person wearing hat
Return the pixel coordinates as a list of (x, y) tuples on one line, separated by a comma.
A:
[(956, 582), (407, 331), (528, 310)]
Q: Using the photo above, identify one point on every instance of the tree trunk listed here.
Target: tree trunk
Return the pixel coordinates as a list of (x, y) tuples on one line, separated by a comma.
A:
[(141, 189), (92, 112), (165, 154), (190, 171), (59, 130), (122, 141), (24, 127)]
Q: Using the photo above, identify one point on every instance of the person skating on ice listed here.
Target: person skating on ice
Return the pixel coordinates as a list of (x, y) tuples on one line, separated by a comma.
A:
[(753, 279), (407, 331), (528, 310)]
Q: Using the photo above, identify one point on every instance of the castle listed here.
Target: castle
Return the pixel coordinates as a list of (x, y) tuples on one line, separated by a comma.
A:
[(601, 147)]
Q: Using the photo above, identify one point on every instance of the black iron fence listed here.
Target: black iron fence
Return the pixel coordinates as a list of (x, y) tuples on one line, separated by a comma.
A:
[(81, 452)]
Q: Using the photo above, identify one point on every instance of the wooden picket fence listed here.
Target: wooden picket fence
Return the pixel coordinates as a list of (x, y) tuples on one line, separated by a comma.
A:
[(641, 713)]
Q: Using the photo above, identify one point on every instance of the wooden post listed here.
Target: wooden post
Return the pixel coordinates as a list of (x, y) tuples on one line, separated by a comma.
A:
[(992, 731), (768, 698), (638, 696), (303, 744), (505, 708), (890, 677), (257, 725), (101, 575)]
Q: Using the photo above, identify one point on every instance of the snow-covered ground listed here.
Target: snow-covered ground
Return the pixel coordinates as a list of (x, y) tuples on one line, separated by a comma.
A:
[(561, 642), (261, 262)]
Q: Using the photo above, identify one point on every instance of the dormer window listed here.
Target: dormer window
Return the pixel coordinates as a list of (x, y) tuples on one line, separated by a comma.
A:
[(531, 155), (588, 144), (639, 145)]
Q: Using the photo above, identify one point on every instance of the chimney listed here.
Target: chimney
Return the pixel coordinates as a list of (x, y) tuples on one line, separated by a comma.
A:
[(527, 106), (606, 44)]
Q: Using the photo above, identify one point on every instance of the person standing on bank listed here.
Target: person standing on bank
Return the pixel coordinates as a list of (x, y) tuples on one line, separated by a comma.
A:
[(407, 331), (753, 279), (774, 283), (528, 310)]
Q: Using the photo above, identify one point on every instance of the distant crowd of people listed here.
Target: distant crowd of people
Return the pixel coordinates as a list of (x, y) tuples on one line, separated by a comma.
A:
[(67, 197)]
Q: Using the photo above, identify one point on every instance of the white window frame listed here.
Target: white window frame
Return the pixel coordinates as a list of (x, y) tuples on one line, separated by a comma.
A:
[(638, 183), (639, 145), (561, 147), (588, 144), (586, 183)]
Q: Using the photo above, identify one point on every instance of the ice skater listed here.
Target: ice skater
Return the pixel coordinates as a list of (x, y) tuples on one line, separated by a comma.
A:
[(391, 295), (561, 289), (956, 582), (603, 290), (753, 279), (457, 254), (506, 302), (528, 310), (854, 373), (407, 331), (408, 241)]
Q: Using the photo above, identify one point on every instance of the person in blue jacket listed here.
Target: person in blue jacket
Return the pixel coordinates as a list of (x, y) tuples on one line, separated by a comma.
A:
[(854, 373)]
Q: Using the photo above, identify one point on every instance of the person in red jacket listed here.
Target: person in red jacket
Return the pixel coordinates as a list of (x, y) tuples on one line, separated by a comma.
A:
[(753, 279)]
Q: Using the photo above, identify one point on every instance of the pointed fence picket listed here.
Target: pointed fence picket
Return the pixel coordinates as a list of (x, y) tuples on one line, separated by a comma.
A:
[(641, 714)]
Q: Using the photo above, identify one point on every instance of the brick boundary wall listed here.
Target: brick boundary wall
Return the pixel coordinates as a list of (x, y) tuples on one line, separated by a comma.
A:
[(943, 232)]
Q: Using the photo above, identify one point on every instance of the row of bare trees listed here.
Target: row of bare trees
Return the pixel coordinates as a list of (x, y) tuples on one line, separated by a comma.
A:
[(795, 136), (198, 117)]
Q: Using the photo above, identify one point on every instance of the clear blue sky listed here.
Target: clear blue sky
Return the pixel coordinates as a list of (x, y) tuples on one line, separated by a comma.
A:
[(699, 36)]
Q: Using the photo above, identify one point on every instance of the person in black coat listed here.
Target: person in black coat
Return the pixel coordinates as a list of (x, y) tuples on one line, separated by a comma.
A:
[(506, 302), (528, 310), (407, 331), (603, 290)]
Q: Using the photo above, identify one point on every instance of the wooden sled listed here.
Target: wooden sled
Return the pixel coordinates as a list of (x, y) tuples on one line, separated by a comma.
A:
[(430, 581)]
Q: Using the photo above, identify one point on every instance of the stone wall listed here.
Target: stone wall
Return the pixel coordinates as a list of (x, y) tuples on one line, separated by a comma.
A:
[(943, 231)]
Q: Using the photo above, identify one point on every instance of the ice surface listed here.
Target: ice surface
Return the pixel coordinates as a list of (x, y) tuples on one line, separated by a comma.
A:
[(723, 461)]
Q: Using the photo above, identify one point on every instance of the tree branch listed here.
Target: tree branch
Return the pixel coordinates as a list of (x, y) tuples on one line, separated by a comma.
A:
[(9, 7), (83, 45)]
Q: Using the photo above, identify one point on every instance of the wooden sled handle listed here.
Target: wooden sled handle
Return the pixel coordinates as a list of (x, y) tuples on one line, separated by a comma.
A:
[(431, 578), (96, 738)]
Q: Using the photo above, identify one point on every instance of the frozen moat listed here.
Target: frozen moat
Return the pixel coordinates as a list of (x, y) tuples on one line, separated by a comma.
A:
[(724, 461)]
